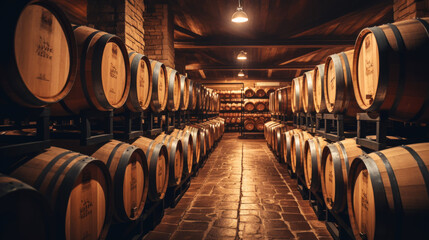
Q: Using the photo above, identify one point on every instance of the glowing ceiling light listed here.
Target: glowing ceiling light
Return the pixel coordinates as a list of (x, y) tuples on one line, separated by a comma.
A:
[(241, 73), (239, 16), (242, 55)]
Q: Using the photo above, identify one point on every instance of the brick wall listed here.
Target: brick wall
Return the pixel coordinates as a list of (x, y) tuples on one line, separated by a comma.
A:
[(408, 9), (121, 17), (159, 34)]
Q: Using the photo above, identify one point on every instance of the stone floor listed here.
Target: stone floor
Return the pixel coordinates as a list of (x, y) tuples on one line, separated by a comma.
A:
[(242, 192)]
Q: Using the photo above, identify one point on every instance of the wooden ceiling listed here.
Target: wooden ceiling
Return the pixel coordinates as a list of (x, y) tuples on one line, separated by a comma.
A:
[(282, 38)]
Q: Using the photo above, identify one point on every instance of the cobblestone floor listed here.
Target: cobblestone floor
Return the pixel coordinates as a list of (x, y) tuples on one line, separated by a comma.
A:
[(242, 192)]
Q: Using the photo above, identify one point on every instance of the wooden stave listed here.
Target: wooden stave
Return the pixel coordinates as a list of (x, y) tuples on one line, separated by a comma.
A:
[(268, 131), (88, 85), (410, 56), (132, 102), (313, 147), (59, 199), (307, 92), (188, 150), (174, 147), (196, 138), (342, 153), (174, 99), (286, 144), (184, 92), (345, 101), (278, 133), (270, 91), (193, 95), (296, 102), (319, 106), (297, 152), (152, 151), (13, 194), (117, 174), (157, 104), (409, 219), (12, 81)]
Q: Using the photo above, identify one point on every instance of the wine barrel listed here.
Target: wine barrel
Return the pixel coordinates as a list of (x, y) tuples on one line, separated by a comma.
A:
[(318, 92), (338, 85), (188, 152), (297, 153), (388, 193), (141, 83), (196, 143), (249, 106), (312, 162), (127, 165), (285, 100), (259, 125), (22, 207), (173, 89), (260, 93), (38, 61), (184, 92), (277, 98), (270, 91), (104, 80), (287, 143), (209, 133), (193, 95), (277, 141), (158, 101), (336, 160), (389, 72), (249, 92), (296, 89), (249, 124), (78, 188), (175, 155), (260, 106), (307, 92), (157, 161), (268, 132)]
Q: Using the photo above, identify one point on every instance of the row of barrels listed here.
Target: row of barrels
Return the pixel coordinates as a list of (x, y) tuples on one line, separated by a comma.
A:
[(385, 72), (63, 194), (73, 68), (254, 123), (259, 106), (280, 101), (257, 92), (384, 193)]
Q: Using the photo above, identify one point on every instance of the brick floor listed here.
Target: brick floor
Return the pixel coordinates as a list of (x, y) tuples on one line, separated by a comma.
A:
[(242, 192)]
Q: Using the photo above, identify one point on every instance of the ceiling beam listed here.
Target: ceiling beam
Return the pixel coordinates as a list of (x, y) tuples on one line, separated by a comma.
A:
[(263, 44), (237, 79), (186, 31), (198, 67), (203, 75)]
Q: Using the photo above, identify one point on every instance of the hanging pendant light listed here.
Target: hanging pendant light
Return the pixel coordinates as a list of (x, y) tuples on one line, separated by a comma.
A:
[(239, 16), (241, 73), (242, 55)]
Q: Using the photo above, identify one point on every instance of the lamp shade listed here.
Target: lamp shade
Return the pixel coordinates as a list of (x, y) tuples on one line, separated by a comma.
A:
[(241, 73), (239, 16), (242, 55)]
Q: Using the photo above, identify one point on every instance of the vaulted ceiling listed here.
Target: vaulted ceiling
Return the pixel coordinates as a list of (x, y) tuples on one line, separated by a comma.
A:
[(282, 38)]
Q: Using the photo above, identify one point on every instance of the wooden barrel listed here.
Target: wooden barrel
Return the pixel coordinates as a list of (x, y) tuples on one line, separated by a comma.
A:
[(175, 156), (249, 92), (209, 133), (104, 80), (39, 56), (336, 160), (249, 124), (338, 85), (260, 106), (277, 141), (389, 72), (188, 151), (196, 143), (277, 98), (158, 101), (184, 92), (78, 188), (313, 162), (270, 91), (260, 93), (296, 89), (157, 161), (173, 89), (307, 92), (127, 165), (141, 83), (285, 100), (193, 95), (287, 143), (297, 151), (388, 193), (259, 125), (22, 207), (268, 131), (318, 92), (249, 106)]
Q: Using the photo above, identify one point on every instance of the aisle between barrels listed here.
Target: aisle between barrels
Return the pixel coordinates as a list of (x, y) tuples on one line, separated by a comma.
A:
[(242, 192)]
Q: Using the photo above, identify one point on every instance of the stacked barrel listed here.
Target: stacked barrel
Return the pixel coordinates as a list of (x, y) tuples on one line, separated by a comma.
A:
[(375, 190), (256, 112), (57, 193)]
